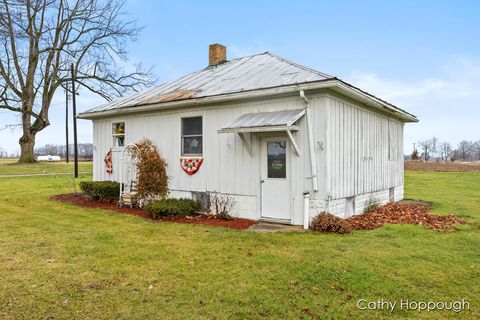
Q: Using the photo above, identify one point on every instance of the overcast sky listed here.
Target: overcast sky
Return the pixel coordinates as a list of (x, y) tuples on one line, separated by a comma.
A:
[(423, 56)]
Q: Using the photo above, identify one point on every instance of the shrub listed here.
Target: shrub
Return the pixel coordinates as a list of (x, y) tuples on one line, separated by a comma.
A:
[(326, 222), (371, 204), (222, 204), (415, 155), (101, 190), (172, 207), (152, 178)]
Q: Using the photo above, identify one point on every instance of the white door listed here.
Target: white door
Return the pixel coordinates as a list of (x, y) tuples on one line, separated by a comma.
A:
[(275, 185)]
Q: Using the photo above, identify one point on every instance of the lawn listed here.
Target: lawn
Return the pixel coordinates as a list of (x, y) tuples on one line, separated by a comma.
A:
[(10, 167), (60, 261)]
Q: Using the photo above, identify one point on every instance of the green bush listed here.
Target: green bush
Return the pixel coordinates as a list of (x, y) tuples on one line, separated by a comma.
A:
[(101, 190), (172, 207)]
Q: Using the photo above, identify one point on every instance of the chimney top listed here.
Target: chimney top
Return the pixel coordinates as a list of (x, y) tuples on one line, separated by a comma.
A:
[(217, 54)]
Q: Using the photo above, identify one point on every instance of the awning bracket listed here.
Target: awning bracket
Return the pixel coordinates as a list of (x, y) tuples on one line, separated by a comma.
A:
[(248, 146), (294, 143)]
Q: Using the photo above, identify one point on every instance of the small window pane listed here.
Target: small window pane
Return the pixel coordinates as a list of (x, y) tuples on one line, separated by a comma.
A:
[(192, 145), (119, 128), (192, 126), (276, 159), (119, 141)]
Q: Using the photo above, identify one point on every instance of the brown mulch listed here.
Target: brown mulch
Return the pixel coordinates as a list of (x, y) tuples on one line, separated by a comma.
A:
[(85, 201), (441, 166), (404, 213)]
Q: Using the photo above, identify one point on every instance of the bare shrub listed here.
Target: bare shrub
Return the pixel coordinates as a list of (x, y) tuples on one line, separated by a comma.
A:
[(371, 204), (327, 222), (221, 204), (152, 178), (415, 155)]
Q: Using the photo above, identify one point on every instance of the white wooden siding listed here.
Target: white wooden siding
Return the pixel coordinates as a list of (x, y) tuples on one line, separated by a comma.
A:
[(351, 149), (227, 165), (359, 157)]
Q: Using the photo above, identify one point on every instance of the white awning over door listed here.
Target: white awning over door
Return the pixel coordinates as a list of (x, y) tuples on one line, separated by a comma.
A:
[(277, 121), (265, 122)]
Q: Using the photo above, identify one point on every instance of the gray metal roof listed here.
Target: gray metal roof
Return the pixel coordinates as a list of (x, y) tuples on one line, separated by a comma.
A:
[(285, 118), (254, 72)]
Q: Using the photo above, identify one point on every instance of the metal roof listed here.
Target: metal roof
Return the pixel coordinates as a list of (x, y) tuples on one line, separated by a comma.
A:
[(256, 75), (253, 121), (260, 71)]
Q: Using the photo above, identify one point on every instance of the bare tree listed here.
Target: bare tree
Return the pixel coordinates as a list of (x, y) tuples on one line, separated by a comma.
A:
[(465, 149), (41, 39), (446, 151), (476, 150), (428, 147), (85, 150)]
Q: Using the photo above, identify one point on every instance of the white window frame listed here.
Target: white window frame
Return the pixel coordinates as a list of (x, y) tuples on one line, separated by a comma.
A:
[(192, 135), (287, 160), (116, 135)]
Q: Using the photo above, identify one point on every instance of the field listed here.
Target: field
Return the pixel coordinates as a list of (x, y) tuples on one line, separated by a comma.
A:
[(60, 261), (441, 166), (11, 167)]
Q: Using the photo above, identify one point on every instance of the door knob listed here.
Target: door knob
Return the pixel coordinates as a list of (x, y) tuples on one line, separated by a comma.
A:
[(262, 181)]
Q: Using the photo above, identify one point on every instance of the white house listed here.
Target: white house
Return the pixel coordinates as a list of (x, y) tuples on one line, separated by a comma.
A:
[(266, 131)]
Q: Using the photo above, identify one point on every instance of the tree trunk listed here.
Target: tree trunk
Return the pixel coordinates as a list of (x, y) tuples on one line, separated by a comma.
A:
[(27, 143)]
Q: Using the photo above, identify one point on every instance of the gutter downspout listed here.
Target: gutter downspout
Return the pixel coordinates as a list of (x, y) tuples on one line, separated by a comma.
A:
[(313, 163), (306, 210)]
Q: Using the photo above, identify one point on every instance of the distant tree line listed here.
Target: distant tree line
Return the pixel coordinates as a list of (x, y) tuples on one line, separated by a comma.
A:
[(85, 150), (433, 149), (5, 154)]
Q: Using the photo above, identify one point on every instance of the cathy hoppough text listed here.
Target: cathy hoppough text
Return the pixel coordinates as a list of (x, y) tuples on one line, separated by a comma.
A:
[(405, 304)]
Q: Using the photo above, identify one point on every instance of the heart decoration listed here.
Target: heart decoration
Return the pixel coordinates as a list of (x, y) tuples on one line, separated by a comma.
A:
[(108, 162), (191, 165)]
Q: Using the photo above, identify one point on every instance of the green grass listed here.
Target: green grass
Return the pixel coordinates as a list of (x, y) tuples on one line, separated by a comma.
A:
[(60, 261), (11, 167), (450, 192)]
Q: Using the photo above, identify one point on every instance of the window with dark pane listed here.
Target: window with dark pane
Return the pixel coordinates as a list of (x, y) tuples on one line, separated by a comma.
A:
[(277, 159), (192, 140)]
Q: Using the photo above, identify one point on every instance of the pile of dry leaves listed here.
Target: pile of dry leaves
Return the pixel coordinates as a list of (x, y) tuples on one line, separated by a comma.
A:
[(404, 213)]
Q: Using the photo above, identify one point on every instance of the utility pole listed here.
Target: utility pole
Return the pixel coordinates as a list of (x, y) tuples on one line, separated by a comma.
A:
[(66, 122), (75, 142)]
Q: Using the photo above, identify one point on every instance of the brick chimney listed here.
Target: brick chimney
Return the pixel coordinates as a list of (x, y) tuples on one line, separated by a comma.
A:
[(217, 54)]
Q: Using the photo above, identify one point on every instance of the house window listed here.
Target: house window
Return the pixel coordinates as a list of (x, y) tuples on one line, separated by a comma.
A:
[(192, 140), (118, 134)]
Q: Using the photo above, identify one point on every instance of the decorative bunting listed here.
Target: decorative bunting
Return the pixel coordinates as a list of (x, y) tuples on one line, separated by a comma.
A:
[(108, 162), (191, 165)]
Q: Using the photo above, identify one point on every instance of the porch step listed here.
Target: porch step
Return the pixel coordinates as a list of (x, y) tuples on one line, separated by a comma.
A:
[(274, 227), (276, 221)]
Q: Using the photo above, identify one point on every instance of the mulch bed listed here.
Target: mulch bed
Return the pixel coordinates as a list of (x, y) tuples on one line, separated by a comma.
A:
[(404, 213), (449, 166), (82, 200)]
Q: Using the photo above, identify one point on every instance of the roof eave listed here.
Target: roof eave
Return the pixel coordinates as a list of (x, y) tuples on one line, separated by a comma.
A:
[(371, 100), (267, 92), (333, 83)]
